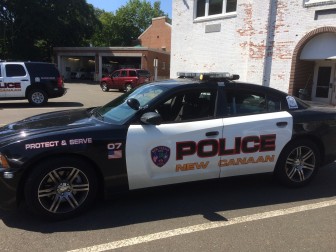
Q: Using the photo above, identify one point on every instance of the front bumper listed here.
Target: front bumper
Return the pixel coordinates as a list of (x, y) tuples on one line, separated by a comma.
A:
[(8, 190)]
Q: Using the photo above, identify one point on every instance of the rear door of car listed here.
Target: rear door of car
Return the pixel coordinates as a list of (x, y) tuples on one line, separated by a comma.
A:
[(15, 79), (256, 128)]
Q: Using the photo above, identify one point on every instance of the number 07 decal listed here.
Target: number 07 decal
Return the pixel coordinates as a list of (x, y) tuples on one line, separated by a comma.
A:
[(114, 150)]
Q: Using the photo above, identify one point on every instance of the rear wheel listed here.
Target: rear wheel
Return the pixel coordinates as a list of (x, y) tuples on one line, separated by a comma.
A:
[(60, 188), (37, 97), (298, 163), (128, 87), (104, 87)]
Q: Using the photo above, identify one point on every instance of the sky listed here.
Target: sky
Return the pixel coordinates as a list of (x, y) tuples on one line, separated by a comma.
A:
[(113, 5)]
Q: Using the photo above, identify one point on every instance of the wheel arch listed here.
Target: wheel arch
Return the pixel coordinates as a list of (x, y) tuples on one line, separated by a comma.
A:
[(30, 167), (314, 139), (35, 86)]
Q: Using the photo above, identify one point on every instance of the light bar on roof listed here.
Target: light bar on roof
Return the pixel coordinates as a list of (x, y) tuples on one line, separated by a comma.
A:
[(210, 75)]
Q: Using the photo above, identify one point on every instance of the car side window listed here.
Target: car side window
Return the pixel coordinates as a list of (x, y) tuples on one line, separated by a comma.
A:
[(14, 70), (116, 74), (250, 103), (188, 106), (123, 74), (132, 74)]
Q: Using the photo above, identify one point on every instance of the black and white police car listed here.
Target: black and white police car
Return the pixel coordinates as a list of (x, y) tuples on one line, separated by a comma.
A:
[(162, 133)]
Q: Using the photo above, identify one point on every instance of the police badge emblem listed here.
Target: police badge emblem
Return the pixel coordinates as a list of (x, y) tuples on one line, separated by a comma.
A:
[(160, 155)]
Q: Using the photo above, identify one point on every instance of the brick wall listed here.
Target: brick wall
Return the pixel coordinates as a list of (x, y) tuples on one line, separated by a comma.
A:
[(258, 42), (158, 35)]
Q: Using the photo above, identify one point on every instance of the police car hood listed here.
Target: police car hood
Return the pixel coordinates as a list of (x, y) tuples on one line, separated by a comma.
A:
[(45, 123)]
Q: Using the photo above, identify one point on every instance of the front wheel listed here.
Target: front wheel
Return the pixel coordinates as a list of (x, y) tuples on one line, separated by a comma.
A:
[(37, 97), (298, 163), (60, 188), (104, 87)]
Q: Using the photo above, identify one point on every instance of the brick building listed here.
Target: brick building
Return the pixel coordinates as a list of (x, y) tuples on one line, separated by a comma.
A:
[(158, 35), (288, 45), (94, 62)]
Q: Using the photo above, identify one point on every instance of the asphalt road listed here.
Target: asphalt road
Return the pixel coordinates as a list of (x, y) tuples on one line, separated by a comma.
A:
[(250, 213)]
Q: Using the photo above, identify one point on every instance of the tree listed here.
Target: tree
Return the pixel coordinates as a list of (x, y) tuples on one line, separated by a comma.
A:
[(127, 24), (31, 28)]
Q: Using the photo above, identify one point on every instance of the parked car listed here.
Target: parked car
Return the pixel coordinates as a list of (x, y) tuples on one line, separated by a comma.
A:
[(125, 79), (35, 81), (84, 74), (162, 133)]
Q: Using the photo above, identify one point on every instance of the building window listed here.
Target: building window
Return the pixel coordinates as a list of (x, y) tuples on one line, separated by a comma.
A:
[(206, 8), (318, 2)]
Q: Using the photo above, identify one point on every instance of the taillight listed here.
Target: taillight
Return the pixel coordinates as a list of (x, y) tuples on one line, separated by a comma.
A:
[(60, 82)]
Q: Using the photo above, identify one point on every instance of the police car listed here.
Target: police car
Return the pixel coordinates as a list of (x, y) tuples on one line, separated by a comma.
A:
[(197, 127), (35, 81)]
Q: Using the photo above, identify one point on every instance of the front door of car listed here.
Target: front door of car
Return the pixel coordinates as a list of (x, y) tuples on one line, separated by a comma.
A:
[(2, 89), (115, 79), (255, 131), (183, 148)]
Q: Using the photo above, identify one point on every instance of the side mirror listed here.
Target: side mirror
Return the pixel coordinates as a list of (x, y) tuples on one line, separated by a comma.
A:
[(152, 118), (133, 103)]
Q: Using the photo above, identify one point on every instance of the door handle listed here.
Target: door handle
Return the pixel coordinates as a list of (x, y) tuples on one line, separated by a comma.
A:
[(24, 80), (281, 124), (212, 133)]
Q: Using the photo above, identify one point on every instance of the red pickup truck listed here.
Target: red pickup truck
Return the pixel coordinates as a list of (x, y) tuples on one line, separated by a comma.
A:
[(125, 79)]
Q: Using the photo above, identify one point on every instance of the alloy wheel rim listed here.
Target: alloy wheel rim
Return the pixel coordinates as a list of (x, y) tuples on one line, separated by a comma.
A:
[(300, 164), (38, 97), (63, 190)]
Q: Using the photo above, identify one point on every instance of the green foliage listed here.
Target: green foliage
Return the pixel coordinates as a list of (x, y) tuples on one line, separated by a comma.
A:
[(127, 24), (31, 28)]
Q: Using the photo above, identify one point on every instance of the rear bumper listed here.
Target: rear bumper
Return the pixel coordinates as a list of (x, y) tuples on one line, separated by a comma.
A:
[(57, 92)]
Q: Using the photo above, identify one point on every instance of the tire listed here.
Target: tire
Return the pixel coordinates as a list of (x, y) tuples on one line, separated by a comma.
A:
[(60, 188), (104, 87), (128, 87), (298, 163), (37, 97)]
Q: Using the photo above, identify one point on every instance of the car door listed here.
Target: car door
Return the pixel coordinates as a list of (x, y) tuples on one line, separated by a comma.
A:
[(115, 78), (183, 148), (15, 80), (2, 85), (255, 131), (122, 79)]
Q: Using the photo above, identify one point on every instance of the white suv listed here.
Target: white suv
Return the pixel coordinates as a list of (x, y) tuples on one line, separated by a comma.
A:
[(35, 81)]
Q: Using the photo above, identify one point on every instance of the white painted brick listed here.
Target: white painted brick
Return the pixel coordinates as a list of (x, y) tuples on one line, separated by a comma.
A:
[(240, 46)]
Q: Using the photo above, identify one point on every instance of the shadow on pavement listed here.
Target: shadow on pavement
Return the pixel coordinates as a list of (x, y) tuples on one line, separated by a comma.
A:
[(16, 105), (199, 198)]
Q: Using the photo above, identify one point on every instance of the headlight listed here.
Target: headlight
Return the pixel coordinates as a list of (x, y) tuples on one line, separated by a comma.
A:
[(3, 162)]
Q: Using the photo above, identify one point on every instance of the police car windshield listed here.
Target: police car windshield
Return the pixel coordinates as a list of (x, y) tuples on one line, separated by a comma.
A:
[(118, 111)]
